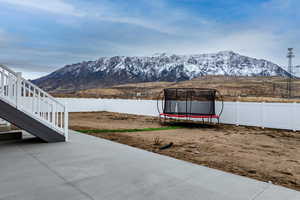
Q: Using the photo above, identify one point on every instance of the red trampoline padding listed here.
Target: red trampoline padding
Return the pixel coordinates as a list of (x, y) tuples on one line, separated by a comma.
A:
[(190, 116)]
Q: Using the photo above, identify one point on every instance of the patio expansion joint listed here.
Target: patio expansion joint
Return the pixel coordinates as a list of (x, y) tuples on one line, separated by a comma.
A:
[(57, 174), (261, 192)]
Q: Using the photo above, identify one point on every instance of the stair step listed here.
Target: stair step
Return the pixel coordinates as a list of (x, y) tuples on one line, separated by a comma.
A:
[(29, 124), (11, 135), (31, 109)]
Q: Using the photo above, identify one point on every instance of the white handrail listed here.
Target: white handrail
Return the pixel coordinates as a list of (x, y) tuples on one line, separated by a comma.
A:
[(42, 91), (33, 101), (7, 69)]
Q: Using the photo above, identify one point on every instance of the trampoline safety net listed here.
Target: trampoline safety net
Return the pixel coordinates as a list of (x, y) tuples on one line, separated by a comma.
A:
[(189, 101)]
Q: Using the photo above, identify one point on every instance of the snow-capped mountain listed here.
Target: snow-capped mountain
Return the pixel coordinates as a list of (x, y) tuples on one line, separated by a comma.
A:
[(107, 71)]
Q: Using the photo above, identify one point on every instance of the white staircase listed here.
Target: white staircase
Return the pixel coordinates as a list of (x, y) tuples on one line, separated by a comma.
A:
[(28, 107)]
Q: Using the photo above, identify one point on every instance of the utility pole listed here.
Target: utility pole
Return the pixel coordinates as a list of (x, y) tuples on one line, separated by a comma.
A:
[(290, 56)]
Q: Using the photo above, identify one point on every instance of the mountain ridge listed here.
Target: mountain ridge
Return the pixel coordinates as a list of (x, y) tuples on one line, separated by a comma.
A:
[(116, 70)]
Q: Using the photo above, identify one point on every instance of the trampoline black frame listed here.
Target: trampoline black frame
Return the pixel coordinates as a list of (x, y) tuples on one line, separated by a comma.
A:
[(189, 115)]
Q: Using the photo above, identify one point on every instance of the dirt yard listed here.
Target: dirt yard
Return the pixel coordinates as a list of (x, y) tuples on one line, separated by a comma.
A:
[(267, 155)]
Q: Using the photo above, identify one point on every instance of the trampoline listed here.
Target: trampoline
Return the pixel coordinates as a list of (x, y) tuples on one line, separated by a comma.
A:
[(189, 103)]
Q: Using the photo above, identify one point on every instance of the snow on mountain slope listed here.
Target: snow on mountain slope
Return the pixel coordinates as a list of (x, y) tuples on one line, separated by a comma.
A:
[(107, 71)]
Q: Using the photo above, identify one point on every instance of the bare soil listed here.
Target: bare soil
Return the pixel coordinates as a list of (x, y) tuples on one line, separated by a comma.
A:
[(262, 154), (109, 120)]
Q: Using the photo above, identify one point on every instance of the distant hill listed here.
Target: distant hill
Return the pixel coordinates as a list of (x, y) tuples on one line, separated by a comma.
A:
[(257, 89), (297, 71), (109, 71)]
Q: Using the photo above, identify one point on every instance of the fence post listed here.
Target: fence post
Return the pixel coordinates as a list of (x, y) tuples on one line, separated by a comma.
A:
[(262, 115), (18, 89), (53, 110), (2, 85), (237, 112), (66, 120), (294, 107)]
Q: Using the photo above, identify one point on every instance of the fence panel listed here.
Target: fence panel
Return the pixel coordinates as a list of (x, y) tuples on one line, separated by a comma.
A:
[(229, 112), (296, 115), (250, 114), (278, 115), (269, 115)]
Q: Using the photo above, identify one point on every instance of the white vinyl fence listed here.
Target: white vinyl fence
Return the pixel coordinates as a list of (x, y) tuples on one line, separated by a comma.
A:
[(265, 115), (269, 115)]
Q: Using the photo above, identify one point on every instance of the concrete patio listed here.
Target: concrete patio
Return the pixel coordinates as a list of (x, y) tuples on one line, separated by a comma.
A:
[(93, 168)]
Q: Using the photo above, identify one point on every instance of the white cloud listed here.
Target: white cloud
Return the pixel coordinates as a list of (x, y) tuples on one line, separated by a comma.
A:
[(52, 6), (253, 43), (138, 22), (30, 74), (280, 5), (155, 19), (262, 36), (159, 16), (4, 38)]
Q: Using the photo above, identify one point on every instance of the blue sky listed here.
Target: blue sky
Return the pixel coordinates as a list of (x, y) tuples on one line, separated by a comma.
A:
[(38, 36)]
